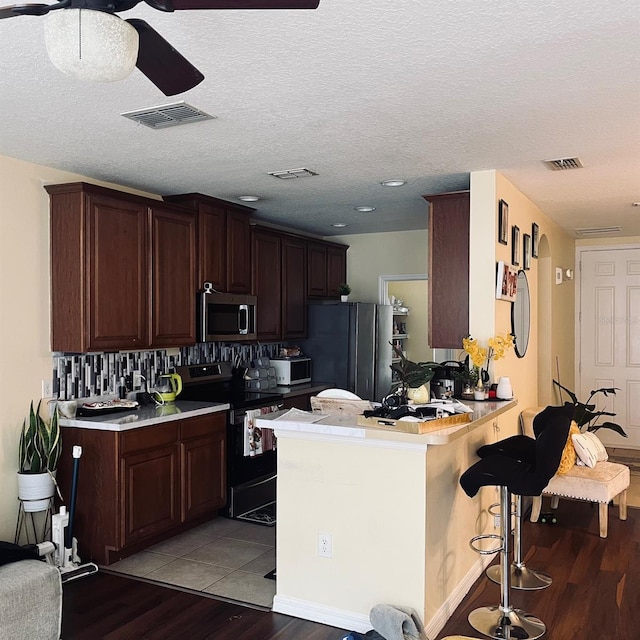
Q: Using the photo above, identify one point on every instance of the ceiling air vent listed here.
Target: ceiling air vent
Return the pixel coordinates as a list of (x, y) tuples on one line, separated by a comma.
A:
[(562, 164), (292, 173), (167, 115), (596, 231)]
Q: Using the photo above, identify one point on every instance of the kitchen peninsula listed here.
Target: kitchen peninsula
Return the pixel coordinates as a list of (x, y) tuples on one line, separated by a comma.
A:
[(390, 505)]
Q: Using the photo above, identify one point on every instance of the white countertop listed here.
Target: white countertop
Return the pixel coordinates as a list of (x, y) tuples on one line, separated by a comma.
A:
[(145, 416), (345, 426)]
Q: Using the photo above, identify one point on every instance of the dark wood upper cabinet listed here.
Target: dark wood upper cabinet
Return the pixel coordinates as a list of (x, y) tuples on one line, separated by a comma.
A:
[(119, 269), (294, 288), (326, 269), (448, 269), (173, 272), (316, 270), (336, 268), (224, 241), (267, 283)]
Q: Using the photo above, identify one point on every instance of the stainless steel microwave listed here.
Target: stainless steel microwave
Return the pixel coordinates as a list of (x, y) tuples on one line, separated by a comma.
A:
[(225, 317)]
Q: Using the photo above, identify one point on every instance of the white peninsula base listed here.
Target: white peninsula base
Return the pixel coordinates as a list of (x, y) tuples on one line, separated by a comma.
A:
[(390, 510)]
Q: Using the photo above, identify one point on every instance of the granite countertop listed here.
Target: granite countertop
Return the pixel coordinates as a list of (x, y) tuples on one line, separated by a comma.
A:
[(346, 426), (145, 416)]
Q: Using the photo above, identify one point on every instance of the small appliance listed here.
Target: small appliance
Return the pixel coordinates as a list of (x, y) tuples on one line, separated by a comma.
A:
[(168, 387), (225, 317), (292, 370)]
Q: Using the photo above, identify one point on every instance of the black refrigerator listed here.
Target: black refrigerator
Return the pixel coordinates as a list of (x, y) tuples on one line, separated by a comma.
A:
[(349, 344)]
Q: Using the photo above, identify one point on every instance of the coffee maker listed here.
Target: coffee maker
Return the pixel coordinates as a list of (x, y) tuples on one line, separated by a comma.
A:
[(447, 381)]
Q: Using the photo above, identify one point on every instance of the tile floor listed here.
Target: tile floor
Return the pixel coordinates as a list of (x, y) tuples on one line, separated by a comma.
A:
[(223, 557)]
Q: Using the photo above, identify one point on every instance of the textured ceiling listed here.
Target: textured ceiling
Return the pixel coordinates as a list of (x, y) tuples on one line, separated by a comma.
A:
[(358, 92)]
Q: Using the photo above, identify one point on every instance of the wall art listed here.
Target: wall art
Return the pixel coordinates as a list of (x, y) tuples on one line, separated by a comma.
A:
[(503, 222), (506, 281)]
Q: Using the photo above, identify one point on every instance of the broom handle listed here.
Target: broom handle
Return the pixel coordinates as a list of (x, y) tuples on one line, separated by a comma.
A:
[(68, 534)]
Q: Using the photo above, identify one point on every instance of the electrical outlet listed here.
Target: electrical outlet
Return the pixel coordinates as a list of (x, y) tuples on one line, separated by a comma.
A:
[(47, 391), (496, 522), (324, 545)]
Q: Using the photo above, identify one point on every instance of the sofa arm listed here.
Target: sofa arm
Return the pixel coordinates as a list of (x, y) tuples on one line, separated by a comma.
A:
[(30, 601)]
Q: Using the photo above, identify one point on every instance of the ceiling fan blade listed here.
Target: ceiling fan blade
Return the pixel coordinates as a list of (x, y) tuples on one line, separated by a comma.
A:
[(169, 70), (180, 5), (14, 10)]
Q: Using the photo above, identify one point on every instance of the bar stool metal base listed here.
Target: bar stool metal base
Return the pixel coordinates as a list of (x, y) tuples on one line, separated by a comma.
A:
[(522, 577), (512, 624)]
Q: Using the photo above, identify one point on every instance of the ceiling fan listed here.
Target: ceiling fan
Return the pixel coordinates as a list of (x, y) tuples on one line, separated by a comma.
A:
[(137, 43)]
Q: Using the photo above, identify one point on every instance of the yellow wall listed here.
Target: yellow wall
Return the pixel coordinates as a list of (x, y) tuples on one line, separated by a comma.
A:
[(24, 309)]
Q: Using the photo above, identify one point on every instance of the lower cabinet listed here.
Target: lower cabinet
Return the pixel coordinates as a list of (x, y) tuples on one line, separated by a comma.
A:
[(140, 486)]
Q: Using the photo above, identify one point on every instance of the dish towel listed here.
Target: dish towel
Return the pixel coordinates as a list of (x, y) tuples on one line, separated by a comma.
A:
[(396, 623)]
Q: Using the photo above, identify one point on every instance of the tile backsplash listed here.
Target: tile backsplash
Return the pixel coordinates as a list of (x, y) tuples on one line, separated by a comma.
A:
[(97, 374)]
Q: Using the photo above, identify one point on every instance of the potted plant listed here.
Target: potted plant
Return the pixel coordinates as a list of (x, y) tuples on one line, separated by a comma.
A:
[(585, 413), (344, 290), (39, 451), (411, 376)]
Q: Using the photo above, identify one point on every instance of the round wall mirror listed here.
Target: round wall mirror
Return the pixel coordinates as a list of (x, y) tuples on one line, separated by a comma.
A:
[(521, 315)]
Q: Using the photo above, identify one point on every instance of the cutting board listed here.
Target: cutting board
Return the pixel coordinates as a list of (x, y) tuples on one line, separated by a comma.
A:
[(415, 427)]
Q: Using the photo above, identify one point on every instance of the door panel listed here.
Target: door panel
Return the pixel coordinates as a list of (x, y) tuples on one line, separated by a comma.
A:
[(610, 337)]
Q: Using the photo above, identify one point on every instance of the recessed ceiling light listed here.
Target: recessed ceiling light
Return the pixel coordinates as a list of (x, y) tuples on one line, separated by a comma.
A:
[(364, 208), (249, 198), (339, 225), (397, 182)]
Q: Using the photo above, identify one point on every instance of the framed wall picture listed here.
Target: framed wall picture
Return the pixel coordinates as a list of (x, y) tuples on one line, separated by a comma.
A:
[(506, 282), (535, 239), (503, 222), (526, 251), (515, 245)]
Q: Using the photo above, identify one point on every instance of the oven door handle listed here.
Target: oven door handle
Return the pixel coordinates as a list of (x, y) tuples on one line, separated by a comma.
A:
[(243, 319)]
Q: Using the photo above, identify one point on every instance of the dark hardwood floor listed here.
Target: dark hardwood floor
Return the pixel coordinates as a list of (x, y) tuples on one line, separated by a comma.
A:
[(595, 594)]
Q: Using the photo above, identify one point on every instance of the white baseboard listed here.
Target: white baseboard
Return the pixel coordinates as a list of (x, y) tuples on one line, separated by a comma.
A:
[(318, 613), (351, 621), (444, 612)]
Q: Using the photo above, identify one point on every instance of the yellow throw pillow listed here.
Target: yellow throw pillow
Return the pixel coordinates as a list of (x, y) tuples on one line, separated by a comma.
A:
[(569, 457)]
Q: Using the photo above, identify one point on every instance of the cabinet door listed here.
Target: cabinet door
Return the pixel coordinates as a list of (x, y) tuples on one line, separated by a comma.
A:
[(448, 269), (117, 278), (316, 270), (294, 295), (301, 402), (151, 499), (238, 252), (212, 245), (173, 253), (267, 284), (336, 269), (203, 470)]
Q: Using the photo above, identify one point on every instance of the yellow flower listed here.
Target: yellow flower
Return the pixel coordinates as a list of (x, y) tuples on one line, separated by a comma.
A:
[(498, 347)]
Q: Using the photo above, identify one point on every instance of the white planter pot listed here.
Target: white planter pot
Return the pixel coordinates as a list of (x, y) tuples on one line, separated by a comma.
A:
[(344, 298), (35, 491)]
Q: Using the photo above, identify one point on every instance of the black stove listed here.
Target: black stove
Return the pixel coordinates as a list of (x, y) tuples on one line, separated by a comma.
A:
[(251, 469), (218, 382)]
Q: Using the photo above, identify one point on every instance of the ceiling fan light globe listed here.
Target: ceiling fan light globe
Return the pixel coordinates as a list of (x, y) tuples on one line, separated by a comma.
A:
[(91, 45)]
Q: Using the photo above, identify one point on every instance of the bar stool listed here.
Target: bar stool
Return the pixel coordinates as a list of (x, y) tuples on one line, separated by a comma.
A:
[(523, 478), (521, 448)]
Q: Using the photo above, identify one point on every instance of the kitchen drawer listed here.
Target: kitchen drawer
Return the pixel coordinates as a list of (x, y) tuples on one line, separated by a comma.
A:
[(149, 437), (203, 425)]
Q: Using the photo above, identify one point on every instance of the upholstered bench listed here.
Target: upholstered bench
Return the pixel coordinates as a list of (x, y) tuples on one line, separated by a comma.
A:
[(601, 484)]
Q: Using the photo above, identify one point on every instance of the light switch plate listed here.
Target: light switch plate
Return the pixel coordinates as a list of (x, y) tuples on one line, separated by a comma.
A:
[(558, 275)]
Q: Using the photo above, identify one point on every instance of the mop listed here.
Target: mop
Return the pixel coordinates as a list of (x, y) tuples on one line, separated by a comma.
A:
[(62, 551)]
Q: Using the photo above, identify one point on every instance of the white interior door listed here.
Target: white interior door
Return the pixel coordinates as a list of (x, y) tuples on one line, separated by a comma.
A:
[(609, 333)]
